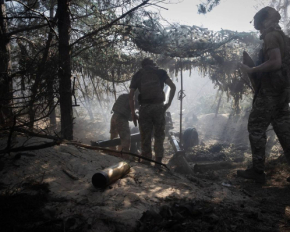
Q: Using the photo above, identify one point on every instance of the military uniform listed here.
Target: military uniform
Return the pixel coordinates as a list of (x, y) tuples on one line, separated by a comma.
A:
[(271, 104), (152, 111), (120, 121)]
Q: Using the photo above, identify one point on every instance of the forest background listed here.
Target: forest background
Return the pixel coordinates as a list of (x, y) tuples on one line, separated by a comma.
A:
[(62, 59)]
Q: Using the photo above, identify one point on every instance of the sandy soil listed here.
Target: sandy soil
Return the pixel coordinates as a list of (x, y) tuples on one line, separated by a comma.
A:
[(60, 178)]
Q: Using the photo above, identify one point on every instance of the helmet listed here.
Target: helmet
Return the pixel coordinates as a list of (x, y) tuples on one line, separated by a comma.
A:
[(266, 13), (147, 61)]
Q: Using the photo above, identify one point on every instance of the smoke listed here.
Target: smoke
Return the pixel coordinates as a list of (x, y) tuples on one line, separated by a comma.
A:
[(200, 111), (93, 115)]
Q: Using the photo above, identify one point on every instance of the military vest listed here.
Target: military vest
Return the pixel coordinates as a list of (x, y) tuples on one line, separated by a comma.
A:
[(278, 80), (151, 90)]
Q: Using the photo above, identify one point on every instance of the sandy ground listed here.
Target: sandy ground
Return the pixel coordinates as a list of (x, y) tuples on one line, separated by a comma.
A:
[(123, 202), (68, 170)]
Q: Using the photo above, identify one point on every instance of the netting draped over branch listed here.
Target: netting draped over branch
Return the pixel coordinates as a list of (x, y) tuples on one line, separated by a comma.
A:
[(183, 41)]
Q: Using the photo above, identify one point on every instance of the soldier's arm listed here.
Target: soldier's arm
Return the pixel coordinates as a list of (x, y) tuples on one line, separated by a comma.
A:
[(273, 63), (132, 106), (171, 93)]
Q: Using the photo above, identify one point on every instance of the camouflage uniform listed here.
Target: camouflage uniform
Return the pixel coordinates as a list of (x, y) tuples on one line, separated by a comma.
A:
[(120, 121), (152, 115), (120, 127), (270, 106), (151, 112)]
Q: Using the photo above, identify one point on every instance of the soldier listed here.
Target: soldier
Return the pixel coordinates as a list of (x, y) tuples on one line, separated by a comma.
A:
[(271, 102), (120, 122), (150, 80)]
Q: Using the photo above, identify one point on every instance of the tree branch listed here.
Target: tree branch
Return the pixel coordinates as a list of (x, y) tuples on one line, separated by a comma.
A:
[(113, 151), (109, 24), (29, 148), (26, 29), (41, 14)]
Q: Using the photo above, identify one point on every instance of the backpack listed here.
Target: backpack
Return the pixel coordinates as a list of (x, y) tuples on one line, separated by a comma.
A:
[(282, 82), (151, 90)]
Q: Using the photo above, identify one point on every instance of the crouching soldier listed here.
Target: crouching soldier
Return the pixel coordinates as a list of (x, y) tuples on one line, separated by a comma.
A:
[(120, 122), (150, 80)]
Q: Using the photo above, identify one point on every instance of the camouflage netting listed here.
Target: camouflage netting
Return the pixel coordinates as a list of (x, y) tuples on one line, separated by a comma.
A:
[(184, 41), (215, 54)]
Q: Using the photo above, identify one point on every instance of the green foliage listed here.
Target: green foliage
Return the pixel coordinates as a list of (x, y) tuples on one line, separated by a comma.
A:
[(207, 6)]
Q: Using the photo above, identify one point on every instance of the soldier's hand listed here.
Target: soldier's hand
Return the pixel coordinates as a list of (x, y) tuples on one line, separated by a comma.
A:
[(135, 119), (245, 68)]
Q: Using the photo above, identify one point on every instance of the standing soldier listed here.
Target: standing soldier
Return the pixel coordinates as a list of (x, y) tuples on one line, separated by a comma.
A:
[(150, 80), (120, 122), (271, 102)]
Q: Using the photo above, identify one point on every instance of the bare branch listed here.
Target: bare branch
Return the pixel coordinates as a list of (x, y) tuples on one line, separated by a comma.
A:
[(41, 14), (109, 24), (26, 29)]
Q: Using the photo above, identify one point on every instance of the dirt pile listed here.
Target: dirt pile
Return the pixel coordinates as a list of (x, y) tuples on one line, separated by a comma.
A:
[(188, 216), (51, 190)]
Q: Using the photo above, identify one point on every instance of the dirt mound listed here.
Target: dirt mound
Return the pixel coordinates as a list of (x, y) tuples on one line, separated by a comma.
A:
[(217, 152), (51, 190), (188, 216), (23, 211)]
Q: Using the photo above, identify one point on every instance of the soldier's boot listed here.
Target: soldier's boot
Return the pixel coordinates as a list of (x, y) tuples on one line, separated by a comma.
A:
[(158, 159), (251, 173), (149, 156)]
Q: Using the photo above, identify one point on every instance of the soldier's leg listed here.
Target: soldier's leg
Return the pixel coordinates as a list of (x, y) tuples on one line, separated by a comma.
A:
[(259, 120), (271, 137), (113, 128), (124, 133), (281, 125), (159, 131), (145, 127)]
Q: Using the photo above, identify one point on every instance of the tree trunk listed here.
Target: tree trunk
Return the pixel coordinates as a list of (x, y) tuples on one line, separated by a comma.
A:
[(5, 69), (52, 116), (64, 73)]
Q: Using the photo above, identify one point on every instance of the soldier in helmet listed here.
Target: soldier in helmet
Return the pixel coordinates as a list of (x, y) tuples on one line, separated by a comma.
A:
[(271, 102), (150, 80)]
